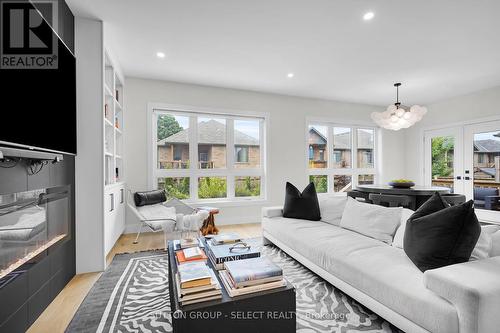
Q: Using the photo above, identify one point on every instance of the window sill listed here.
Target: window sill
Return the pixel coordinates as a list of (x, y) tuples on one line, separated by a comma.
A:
[(227, 203)]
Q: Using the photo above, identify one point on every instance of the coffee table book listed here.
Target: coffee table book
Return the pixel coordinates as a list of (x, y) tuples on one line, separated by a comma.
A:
[(194, 274), (219, 254), (233, 291), (254, 271), (272, 310)]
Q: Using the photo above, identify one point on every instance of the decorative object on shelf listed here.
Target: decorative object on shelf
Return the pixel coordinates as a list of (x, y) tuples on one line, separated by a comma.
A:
[(396, 117), (401, 183)]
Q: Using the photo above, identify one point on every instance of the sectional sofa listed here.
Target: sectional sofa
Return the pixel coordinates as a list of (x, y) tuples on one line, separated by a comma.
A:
[(462, 298)]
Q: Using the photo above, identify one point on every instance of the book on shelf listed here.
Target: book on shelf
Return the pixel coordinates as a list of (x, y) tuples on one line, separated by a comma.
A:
[(233, 291), (252, 271), (181, 258), (226, 238), (219, 254), (194, 274)]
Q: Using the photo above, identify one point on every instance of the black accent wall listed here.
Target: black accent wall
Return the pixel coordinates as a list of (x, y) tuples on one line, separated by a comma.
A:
[(30, 291)]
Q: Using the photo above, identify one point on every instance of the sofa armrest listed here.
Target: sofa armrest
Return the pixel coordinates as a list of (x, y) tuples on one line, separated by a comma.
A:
[(473, 288), (274, 211)]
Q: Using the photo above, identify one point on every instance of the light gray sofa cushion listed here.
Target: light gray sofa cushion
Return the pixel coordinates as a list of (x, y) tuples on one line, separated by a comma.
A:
[(371, 220), (380, 271), (331, 208), (400, 233), (495, 244)]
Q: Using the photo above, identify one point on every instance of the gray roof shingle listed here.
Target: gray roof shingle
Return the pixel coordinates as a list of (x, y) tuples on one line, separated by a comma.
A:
[(487, 146), (211, 132), (343, 140)]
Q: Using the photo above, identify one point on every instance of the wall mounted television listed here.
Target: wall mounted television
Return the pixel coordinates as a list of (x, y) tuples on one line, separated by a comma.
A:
[(38, 96)]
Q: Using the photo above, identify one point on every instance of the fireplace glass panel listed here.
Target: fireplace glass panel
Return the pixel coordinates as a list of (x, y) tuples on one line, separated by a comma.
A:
[(30, 223)]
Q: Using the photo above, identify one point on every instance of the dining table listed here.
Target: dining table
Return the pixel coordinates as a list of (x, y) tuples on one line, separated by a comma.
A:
[(418, 193)]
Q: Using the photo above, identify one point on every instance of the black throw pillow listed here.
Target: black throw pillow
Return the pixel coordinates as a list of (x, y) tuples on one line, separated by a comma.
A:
[(438, 234), (301, 205), (149, 197)]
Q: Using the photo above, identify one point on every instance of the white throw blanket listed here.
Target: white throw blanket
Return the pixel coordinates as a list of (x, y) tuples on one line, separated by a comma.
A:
[(158, 216)]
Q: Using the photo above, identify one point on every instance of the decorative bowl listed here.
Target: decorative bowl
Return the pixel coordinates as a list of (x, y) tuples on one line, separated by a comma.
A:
[(402, 183)]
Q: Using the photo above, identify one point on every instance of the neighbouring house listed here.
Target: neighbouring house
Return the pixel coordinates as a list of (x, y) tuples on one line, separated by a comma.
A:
[(486, 158), (318, 154), (173, 151)]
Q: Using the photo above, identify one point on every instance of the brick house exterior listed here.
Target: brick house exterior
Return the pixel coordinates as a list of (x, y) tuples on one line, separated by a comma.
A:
[(318, 152), (173, 151)]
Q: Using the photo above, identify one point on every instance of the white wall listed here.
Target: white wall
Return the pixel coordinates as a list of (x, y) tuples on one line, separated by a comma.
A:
[(469, 107), (286, 134)]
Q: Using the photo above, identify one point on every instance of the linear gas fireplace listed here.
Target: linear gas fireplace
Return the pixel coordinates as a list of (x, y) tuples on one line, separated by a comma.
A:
[(30, 223)]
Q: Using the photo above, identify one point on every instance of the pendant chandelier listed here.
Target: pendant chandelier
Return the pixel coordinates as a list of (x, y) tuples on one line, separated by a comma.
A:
[(396, 117)]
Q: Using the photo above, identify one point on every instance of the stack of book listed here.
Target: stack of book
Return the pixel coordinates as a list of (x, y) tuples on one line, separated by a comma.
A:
[(191, 254), (250, 276), (219, 254), (186, 243), (196, 283)]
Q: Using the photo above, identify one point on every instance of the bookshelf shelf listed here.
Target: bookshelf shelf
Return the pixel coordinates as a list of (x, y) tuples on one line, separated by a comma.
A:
[(113, 122)]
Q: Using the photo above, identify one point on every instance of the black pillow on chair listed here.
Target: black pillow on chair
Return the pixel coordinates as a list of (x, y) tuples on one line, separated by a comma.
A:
[(149, 197), (438, 234), (301, 205)]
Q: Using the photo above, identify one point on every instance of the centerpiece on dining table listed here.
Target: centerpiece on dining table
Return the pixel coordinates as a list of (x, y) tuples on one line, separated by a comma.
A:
[(402, 183)]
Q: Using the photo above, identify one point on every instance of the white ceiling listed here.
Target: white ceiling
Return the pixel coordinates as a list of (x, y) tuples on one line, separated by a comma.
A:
[(438, 49)]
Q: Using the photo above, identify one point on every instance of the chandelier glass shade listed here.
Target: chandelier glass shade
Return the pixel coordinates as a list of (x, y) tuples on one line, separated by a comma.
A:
[(396, 117)]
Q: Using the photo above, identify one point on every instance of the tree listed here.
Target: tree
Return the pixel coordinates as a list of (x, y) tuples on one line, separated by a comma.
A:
[(167, 125), (442, 155)]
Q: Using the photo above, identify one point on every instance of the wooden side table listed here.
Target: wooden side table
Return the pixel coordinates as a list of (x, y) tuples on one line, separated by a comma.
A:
[(208, 227)]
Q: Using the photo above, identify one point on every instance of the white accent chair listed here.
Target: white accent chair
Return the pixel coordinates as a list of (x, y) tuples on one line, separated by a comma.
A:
[(170, 216)]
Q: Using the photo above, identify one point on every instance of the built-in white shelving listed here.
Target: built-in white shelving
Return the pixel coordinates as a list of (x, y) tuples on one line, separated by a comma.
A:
[(100, 187), (113, 123)]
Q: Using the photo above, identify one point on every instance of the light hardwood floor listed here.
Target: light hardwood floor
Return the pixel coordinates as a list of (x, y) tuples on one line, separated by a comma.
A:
[(62, 309)]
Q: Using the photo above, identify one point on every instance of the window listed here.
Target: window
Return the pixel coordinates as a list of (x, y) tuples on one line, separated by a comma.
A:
[(241, 154), (208, 156), (317, 141), (352, 156)]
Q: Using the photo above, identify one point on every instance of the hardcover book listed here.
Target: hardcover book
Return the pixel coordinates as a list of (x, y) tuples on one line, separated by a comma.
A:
[(194, 274), (182, 259), (214, 284), (220, 254), (233, 292), (254, 269)]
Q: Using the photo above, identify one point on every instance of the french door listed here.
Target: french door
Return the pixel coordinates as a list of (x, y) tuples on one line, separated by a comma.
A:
[(467, 160), (444, 158)]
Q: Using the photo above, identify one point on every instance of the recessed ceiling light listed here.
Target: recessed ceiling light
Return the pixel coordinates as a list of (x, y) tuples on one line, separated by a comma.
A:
[(160, 55), (368, 16), (290, 75)]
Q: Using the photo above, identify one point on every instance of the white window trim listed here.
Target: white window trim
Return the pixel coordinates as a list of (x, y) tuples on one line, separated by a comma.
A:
[(330, 172), (193, 172)]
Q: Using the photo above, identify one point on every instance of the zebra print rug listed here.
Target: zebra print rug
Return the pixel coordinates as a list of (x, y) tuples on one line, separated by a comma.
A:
[(132, 296)]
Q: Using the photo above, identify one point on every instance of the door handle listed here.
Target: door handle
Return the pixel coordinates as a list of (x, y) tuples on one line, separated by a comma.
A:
[(467, 178), (112, 199), (459, 177)]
